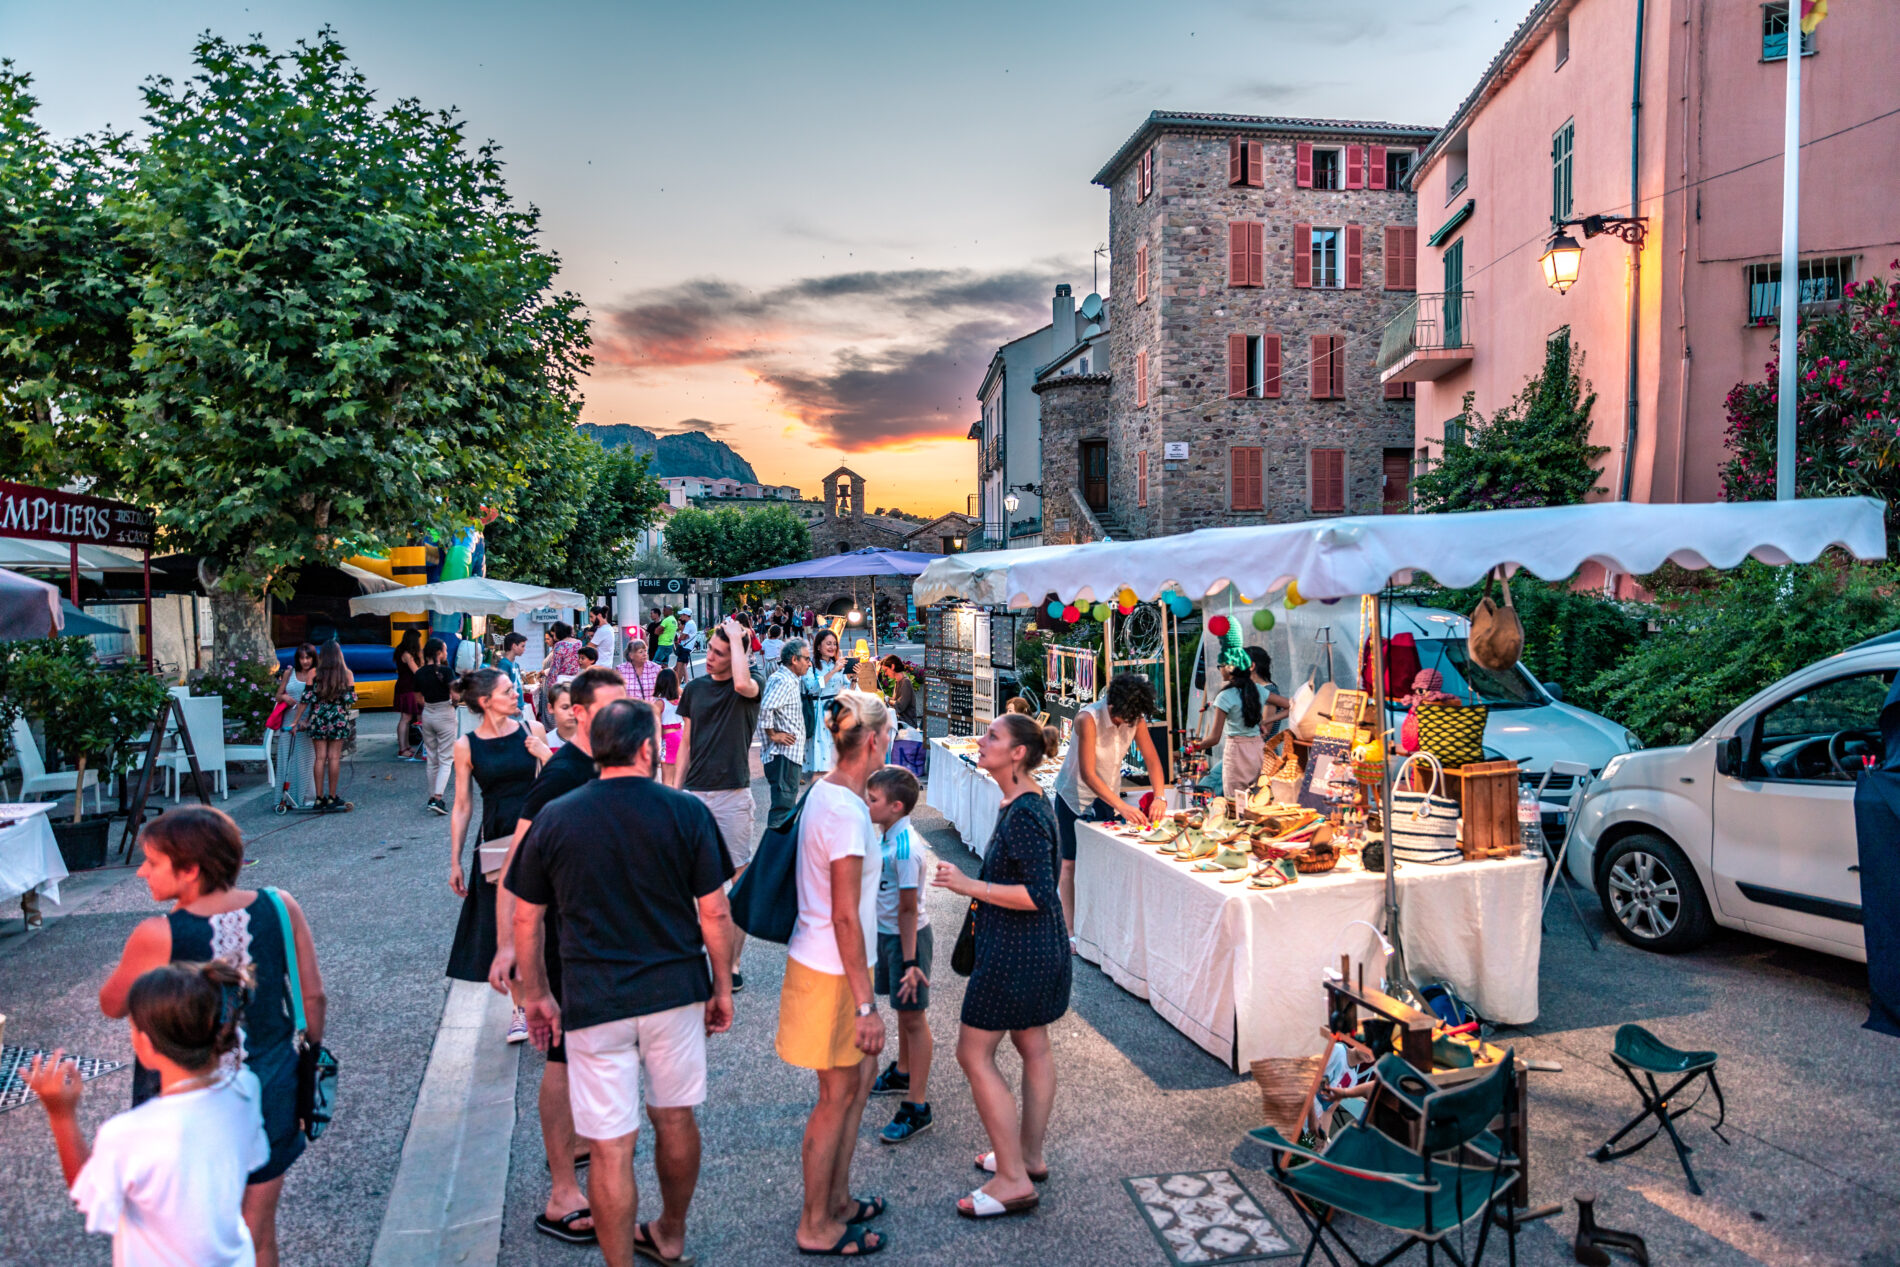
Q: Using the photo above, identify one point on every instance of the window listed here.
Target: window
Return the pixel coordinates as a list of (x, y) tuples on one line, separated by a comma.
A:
[(1401, 257), (1822, 282), (1246, 253), (1325, 254), (1455, 432), (1560, 40), (1243, 485), (1327, 474), (1398, 167), (1454, 301), (1774, 34), (1141, 276), (1401, 391), (1457, 165), (1327, 372), (1141, 478), (1397, 481), (1424, 458), (1141, 379), (1253, 366), (1244, 163), (1329, 169), (1145, 175), (1791, 739), (1085, 365), (1561, 146)]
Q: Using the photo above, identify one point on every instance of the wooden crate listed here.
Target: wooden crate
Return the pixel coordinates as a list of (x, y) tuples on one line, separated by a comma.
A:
[(1486, 792)]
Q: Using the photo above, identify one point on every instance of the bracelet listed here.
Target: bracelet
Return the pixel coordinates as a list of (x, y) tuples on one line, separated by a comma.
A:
[(908, 964)]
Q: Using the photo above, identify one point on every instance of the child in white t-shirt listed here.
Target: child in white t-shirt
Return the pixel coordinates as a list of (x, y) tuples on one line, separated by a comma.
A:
[(903, 949), (167, 1178)]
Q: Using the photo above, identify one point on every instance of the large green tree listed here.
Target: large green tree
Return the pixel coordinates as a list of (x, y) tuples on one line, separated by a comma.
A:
[(719, 543), (1535, 451)]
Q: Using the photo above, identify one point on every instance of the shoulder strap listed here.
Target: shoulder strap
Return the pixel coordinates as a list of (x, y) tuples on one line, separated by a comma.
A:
[(294, 979)]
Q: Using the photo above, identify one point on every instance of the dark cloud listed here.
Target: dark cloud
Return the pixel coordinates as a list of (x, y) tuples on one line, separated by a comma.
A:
[(690, 424)]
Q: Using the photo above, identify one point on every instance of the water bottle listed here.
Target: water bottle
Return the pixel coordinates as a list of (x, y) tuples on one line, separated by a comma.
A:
[(1530, 821)]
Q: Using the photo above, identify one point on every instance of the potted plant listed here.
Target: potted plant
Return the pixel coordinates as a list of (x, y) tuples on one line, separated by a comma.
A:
[(89, 715), (249, 691)]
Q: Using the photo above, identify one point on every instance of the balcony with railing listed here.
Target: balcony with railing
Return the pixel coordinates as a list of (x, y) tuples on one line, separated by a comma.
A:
[(1428, 340)]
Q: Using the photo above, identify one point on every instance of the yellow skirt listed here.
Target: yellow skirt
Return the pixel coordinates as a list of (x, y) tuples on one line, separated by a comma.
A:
[(817, 1020)]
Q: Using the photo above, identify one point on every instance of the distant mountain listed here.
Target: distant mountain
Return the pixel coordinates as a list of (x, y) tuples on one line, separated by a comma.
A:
[(677, 453)]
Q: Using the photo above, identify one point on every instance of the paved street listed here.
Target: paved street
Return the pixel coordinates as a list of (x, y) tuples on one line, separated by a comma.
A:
[(1812, 1098)]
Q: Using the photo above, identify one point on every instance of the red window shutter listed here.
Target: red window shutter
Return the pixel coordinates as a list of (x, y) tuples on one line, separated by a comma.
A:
[(1303, 164), (1270, 369), (1236, 253), (1319, 378), (1355, 167), (1141, 379), (1355, 251), (1150, 179), (1141, 274), (1401, 257), (1236, 160), (1256, 253), (1141, 478), (1256, 170), (1244, 477), (1394, 390), (1302, 255), (1236, 365), (1336, 362), (1375, 167), (1328, 467), (1411, 258)]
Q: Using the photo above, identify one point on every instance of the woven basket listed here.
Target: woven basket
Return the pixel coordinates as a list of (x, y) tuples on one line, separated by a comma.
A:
[(1287, 1087), (1316, 859)]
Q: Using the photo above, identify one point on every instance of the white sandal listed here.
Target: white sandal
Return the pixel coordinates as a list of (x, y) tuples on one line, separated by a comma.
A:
[(987, 1164), (984, 1206)]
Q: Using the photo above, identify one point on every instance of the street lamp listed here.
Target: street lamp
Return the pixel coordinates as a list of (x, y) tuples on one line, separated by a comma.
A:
[(1011, 502), (1563, 258)]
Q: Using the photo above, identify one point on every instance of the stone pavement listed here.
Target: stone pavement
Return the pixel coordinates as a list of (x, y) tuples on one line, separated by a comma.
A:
[(1812, 1097)]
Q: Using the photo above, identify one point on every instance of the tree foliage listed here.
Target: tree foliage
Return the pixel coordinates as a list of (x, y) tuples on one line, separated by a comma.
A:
[(1535, 451), (721, 543), (1571, 637), (621, 499)]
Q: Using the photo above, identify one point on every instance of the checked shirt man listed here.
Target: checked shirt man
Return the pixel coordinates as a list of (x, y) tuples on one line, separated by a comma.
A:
[(782, 730)]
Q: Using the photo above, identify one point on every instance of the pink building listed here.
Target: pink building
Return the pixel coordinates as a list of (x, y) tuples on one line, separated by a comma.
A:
[(1669, 327)]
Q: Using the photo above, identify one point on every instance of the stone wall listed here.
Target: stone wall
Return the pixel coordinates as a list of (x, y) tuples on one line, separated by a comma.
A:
[(1075, 407), (1191, 309)]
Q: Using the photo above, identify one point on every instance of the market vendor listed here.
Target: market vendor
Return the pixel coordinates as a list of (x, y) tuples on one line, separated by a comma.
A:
[(1250, 710), (1089, 784)]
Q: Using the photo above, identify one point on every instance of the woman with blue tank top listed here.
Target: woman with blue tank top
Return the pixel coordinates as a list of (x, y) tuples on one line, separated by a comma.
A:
[(192, 859)]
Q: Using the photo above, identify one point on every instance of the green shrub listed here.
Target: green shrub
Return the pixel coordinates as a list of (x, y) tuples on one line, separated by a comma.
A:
[(1571, 637), (89, 713), (248, 689)]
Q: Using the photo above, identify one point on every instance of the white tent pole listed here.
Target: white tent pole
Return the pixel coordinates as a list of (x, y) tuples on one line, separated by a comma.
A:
[(1396, 963), (1790, 289)]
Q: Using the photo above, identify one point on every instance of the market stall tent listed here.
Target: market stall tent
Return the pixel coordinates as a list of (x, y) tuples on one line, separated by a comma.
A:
[(470, 596)]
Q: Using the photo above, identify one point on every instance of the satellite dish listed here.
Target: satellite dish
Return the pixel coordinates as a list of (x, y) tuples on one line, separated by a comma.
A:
[(1091, 331), (1092, 307)]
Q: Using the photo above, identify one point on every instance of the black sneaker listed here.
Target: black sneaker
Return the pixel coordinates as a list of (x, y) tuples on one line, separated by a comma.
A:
[(738, 982), (891, 1082), (437, 806), (911, 1120)]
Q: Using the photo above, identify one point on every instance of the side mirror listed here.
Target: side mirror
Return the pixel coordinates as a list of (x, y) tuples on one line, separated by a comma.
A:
[(1728, 756), (1555, 690)]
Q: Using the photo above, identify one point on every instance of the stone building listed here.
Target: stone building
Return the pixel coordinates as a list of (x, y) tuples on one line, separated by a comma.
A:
[(1254, 264), (844, 526)]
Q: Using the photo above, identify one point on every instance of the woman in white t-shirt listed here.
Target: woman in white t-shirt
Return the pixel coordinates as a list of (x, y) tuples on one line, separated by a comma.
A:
[(167, 1178), (827, 1019)]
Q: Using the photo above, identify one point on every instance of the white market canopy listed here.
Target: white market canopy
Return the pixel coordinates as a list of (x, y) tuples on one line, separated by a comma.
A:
[(1341, 558), (470, 596)]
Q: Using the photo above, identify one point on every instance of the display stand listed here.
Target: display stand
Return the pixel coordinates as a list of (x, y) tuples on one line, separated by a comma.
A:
[(148, 770)]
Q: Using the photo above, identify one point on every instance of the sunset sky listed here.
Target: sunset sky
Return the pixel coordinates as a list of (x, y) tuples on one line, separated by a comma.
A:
[(805, 227)]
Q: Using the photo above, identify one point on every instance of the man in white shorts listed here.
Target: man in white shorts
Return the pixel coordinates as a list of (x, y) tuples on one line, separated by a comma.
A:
[(637, 872)]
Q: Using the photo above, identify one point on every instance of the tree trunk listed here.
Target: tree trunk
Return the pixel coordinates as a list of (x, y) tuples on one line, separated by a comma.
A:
[(240, 627)]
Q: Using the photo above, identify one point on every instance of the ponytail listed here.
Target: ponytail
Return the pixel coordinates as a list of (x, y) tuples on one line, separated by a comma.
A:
[(191, 1011)]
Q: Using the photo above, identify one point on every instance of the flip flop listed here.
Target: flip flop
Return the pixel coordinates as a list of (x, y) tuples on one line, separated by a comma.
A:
[(853, 1244), (644, 1246), (987, 1164), (984, 1206), (563, 1229), (868, 1209)]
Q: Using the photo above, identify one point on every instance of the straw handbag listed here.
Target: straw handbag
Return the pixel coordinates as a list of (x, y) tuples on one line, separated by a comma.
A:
[(1424, 826), (1288, 1085)]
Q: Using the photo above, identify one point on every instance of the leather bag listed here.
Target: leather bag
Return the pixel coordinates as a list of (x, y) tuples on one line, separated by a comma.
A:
[(963, 954), (317, 1069), (1496, 640)]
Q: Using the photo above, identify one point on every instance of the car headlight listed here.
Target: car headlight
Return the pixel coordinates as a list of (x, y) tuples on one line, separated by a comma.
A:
[(1633, 741), (1615, 764)]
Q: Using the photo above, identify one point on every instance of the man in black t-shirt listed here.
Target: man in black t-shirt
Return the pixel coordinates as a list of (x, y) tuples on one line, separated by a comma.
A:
[(720, 712), (571, 767), (637, 872)]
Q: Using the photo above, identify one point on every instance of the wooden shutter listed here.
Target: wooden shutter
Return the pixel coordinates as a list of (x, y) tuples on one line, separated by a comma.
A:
[(1398, 481), (1319, 379), (1236, 160), (1355, 167), (1395, 390), (1375, 167), (1256, 253), (1302, 255), (1244, 477), (1336, 366), (1141, 478), (1236, 252), (1328, 472), (1141, 274), (1355, 249), (1141, 379), (1395, 257), (1236, 366), (1303, 164), (1270, 365), (1256, 171)]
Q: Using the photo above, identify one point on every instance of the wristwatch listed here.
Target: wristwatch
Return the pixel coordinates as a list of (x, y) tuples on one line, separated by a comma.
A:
[(908, 964), (867, 1009)]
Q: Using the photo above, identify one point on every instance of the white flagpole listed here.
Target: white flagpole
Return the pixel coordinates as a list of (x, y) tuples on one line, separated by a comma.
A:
[(1790, 289)]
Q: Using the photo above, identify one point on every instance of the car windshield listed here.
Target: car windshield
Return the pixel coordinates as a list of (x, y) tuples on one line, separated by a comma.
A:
[(1513, 688)]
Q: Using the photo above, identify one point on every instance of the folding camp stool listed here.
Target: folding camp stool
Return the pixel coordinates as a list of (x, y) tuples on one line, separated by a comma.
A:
[(1638, 1051)]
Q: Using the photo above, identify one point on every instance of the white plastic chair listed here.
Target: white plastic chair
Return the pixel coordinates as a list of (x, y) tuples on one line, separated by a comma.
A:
[(35, 781), (204, 716), (265, 752)]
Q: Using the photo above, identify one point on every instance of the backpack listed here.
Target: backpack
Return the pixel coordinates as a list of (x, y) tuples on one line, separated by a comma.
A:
[(765, 900)]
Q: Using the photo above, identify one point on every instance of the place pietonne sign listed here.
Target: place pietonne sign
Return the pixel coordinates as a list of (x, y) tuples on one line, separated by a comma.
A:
[(45, 514)]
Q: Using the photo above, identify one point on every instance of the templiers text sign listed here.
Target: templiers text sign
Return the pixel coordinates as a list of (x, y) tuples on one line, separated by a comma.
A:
[(45, 514)]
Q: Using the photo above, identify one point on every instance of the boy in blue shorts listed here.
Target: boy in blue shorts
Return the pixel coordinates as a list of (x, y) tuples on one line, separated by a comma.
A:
[(903, 950)]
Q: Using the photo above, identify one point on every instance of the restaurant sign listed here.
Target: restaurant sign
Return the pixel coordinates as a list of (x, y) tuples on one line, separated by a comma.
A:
[(45, 514)]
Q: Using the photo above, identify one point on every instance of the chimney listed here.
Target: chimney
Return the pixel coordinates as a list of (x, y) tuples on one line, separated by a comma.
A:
[(1064, 319)]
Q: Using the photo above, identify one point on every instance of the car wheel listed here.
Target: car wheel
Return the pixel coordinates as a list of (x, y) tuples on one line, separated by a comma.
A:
[(1652, 896)]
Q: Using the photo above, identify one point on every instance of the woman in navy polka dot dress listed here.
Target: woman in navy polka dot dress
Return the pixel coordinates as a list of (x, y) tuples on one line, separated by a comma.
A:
[(1021, 980)]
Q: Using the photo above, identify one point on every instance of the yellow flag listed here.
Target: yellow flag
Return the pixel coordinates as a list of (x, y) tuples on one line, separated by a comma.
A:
[(1812, 11)]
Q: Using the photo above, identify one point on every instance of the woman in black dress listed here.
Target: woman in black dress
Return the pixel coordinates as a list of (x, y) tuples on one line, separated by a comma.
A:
[(1021, 980), (502, 754)]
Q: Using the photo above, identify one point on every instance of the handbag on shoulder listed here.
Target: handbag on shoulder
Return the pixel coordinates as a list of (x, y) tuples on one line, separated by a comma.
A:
[(317, 1068), (765, 901)]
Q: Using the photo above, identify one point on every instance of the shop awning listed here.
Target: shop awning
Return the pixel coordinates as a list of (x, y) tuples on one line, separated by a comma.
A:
[(1338, 558), (18, 552)]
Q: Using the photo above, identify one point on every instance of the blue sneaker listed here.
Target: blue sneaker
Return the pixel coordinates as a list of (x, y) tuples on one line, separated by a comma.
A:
[(911, 1119), (891, 1081)]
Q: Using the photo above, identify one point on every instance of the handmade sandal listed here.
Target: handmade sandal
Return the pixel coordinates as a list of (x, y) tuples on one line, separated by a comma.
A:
[(984, 1206), (855, 1243), (563, 1229), (645, 1246), (987, 1164)]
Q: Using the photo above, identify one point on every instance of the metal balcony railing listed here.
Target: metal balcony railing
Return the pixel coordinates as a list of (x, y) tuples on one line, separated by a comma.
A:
[(1438, 322)]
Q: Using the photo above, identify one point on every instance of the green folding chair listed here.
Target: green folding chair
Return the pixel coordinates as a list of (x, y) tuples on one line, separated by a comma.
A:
[(1639, 1051), (1453, 1170)]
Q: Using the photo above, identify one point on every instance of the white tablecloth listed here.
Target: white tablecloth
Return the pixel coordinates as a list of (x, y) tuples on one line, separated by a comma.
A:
[(29, 856), (1222, 961), (965, 795)]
